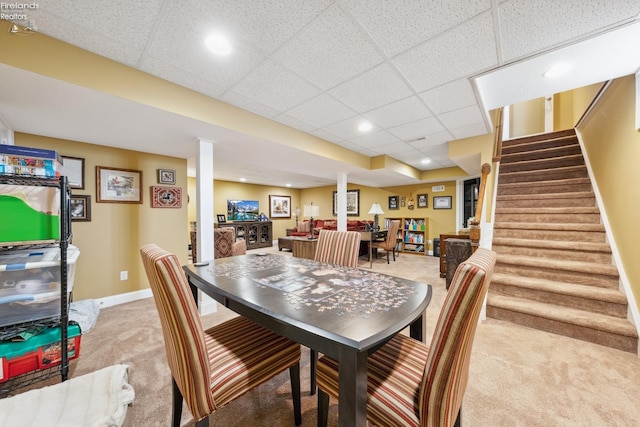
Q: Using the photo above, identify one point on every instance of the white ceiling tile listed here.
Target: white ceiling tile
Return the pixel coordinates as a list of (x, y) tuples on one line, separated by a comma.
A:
[(234, 98), (275, 86), (330, 50), (348, 129), (527, 27), (321, 111), (327, 136), (417, 129), (294, 123), (373, 89), (357, 148), (397, 113), (469, 131), (375, 139), (397, 147), (399, 25), (461, 52), (462, 117), (265, 25), (450, 96), (433, 140)]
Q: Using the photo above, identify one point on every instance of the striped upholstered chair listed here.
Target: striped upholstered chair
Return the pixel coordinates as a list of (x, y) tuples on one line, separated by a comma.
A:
[(334, 247), (213, 367), (338, 247), (411, 384)]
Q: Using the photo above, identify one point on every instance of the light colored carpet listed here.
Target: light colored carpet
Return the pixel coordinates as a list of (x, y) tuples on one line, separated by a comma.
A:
[(518, 376)]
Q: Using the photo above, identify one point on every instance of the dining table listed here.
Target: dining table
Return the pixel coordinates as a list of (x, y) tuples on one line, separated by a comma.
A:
[(345, 313)]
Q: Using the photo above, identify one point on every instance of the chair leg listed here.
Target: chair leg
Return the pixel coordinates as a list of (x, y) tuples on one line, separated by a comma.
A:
[(313, 358), (323, 408), (458, 421), (177, 404), (387, 257), (294, 375)]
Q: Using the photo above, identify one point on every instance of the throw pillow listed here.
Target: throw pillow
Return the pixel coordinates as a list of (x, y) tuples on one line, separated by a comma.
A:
[(304, 227)]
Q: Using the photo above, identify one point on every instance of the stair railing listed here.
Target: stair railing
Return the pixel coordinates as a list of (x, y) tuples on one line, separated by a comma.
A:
[(474, 228), (497, 145)]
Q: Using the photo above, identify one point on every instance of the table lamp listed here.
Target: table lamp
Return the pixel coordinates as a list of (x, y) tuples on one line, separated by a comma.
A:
[(375, 211), (311, 211)]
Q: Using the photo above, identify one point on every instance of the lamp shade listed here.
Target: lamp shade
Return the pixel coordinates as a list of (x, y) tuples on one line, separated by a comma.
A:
[(311, 211), (376, 209)]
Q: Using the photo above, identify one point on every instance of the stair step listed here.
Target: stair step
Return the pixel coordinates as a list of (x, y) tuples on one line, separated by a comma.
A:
[(555, 249), (587, 326), (551, 215), (585, 273), (567, 172), (611, 302), (555, 137), (546, 187), (572, 226), (541, 151), (575, 199), (543, 164)]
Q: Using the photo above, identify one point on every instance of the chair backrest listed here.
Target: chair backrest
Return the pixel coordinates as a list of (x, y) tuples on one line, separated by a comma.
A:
[(184, 340), (392, 235), (338, 247), (447, 369)]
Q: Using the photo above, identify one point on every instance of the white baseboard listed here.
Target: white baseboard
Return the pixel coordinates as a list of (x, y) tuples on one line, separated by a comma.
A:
[(206, 305), (124, 298)]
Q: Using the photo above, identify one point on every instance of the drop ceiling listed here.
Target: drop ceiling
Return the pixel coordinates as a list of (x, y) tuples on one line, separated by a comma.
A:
[(421, 74)]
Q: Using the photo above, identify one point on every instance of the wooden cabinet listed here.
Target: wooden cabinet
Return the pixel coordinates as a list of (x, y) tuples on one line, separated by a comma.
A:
[(257, 234), (443, 250)]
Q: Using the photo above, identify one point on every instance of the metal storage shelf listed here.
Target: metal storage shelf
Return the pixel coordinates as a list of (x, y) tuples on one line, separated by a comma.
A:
[(63, 320)]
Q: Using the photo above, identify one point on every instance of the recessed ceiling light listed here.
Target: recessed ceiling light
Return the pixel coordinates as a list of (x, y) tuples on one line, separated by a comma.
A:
[(365, 127), (425, 161), (243, 179), (557, 70), (288, 185), (218, 44)]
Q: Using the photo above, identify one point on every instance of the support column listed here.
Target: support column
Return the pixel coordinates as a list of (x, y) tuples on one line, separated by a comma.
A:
[(204, 217), (342, 201)]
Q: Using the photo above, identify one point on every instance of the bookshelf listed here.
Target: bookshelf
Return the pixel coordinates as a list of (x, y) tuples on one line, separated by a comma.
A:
[(413, 235)]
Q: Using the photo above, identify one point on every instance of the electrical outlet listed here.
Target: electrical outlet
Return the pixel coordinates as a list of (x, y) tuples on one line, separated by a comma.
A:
[(124, 275)]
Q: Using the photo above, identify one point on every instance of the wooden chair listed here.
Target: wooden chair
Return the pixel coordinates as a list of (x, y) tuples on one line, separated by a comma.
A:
[(212, 367), (389, 245), (340, 248), (411, 384)]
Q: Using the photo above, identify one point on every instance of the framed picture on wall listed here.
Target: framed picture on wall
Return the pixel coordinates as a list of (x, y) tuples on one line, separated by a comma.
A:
[(353, 202), (393, 202), (423, 200), (222, 218), (80, 208), (442, 202), (115, 185), (73, 169), (279, 206), (166, 197)]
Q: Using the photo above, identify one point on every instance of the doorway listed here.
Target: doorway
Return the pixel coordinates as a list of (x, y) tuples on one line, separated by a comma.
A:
[(470, 197)]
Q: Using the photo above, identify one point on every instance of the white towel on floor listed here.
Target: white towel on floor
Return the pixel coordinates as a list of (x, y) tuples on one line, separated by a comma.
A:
[(97, 399)]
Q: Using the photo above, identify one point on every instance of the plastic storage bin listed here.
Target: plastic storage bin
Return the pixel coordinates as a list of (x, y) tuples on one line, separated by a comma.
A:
[(39, 352), (30, 283), (29, 213)]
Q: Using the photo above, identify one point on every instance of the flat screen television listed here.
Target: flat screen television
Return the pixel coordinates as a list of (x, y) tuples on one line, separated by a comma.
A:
[(243, 210)]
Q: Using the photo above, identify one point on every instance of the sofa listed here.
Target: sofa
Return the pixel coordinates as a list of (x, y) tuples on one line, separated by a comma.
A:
[(224, 244), (303, 228)]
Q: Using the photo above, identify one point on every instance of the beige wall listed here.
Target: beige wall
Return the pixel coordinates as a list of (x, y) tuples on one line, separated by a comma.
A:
[(526, 118), (440, 221), (613, 149), (111, 241), (569, 106)]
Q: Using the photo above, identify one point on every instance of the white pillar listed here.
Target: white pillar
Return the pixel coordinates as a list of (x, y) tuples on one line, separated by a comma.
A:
[(342, 201), (204, 217)]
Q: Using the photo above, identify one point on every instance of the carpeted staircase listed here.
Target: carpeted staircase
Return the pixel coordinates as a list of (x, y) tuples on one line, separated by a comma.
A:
[(554, 270)]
